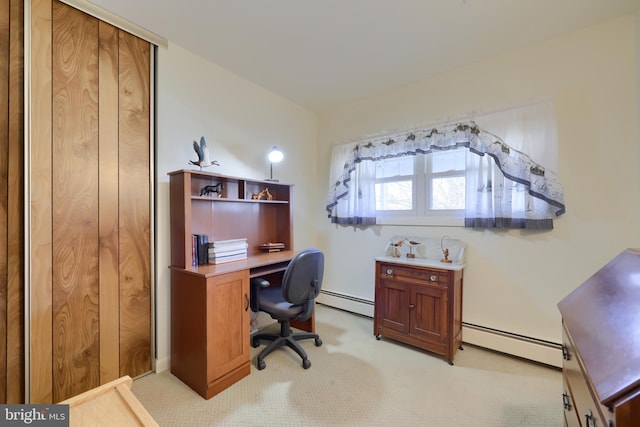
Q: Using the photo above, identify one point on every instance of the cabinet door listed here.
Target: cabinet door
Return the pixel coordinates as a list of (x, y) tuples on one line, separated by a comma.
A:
[(228, 327), (393, 305), (429, 313)]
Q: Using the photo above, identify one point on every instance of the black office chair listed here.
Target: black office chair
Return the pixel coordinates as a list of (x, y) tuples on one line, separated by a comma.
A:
[(294, 300)]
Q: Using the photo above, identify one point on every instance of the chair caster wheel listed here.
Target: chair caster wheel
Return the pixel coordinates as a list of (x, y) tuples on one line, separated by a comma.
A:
[(255, 343), (318, 342), (306, 363), (261, 365)]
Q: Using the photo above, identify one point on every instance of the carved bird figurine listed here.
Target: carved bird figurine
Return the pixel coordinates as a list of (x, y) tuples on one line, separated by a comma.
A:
[(203, 154)]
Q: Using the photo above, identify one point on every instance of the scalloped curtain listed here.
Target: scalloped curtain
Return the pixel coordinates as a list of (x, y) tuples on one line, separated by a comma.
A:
[(505, 186)]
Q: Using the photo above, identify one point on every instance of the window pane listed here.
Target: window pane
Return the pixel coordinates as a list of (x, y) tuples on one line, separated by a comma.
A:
[(450, 160), (399, 166), (448, 193), (394, 196)]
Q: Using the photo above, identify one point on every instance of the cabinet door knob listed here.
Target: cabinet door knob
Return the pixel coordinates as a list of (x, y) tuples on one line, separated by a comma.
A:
[(411, 306), (389, 271), (433, 278)]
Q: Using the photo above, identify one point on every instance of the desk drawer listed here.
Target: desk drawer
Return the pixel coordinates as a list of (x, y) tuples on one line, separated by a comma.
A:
[(413, 274)]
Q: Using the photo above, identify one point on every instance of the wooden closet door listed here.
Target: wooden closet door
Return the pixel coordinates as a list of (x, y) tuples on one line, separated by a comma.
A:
[(11, 201), (91, 294)]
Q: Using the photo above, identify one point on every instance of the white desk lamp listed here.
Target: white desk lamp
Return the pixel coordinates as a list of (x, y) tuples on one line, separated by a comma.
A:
[(275, 156)]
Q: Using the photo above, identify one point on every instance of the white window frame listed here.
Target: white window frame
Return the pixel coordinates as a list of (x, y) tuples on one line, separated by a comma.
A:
[(420, 214)]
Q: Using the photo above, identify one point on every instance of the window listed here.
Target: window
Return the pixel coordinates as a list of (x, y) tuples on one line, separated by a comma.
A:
[(422, 189)]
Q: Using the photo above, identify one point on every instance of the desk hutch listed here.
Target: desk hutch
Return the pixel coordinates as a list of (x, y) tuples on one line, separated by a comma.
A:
[(210, 314)]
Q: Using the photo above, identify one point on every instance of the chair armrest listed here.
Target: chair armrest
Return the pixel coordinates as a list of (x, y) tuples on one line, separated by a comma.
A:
[(256, 284)]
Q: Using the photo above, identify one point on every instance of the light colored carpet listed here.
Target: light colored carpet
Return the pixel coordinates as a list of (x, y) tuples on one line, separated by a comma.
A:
[(356, 380)]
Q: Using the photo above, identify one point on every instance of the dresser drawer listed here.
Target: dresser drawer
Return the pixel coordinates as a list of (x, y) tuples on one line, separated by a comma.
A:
[(413, 274)]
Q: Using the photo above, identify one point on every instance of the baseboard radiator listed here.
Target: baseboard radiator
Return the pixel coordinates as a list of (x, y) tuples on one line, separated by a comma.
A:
[(541, 351), (535, 349)]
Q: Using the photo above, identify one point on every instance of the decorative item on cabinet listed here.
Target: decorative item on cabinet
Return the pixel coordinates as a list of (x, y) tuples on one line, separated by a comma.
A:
[(445, 250), (263, 195), (411, 244), (202, 151), (215, 189), (395, 248)]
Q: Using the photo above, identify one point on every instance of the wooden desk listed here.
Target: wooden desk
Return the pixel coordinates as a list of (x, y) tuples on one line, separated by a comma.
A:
[(210, 316), (210, 320)]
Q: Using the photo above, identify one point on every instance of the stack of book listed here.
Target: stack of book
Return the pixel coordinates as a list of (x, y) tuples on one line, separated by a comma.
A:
[(227, 250), (199, 246), (272, 247)]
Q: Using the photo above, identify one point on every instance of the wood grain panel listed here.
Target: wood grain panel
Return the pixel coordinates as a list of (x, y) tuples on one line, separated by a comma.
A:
[(134, 206), (4, 189), (15, 212), (75, 202), (41, 333), (108, 199)]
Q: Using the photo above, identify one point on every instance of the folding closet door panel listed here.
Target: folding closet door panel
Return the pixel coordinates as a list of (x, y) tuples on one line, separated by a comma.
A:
[(134, 202), (4, 187), (40, 200), (91, 292), (76, 337), (108, 199), (15, 209)]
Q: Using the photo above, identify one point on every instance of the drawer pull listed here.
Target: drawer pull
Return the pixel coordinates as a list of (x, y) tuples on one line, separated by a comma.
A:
[(565, 402), (565, 352), (433, 278), (589, 419), (411, 306), (389, 271)]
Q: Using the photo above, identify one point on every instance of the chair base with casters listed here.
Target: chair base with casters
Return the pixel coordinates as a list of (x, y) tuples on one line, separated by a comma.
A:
[(293, 300), (285, 338)]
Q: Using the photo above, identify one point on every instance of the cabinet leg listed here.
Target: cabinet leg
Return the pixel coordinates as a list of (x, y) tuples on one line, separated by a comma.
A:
[(450, 362), (378, 337), (461, 347)]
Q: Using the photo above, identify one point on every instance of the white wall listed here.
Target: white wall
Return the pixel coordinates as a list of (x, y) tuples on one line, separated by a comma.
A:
[(240, 122), (514, 279)]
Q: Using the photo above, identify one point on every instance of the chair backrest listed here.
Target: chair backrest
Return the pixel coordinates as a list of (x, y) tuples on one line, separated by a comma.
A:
[(302, 279)]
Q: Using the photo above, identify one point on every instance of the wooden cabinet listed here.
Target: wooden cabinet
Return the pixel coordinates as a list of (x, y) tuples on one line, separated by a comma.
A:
[(418, 305), (210, 329), (210, 314), (601, 347)]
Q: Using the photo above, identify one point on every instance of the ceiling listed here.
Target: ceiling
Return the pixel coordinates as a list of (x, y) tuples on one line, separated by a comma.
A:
[(321, 53)]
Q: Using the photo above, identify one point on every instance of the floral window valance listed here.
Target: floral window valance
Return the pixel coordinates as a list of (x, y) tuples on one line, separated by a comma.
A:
[(351, 191)]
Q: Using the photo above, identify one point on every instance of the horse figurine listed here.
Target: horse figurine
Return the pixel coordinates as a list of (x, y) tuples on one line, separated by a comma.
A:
[(215, 189), (264, 193)]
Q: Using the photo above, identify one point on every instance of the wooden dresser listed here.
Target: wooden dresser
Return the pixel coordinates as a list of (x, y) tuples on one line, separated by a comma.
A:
[(601, 346), (419, 304)]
